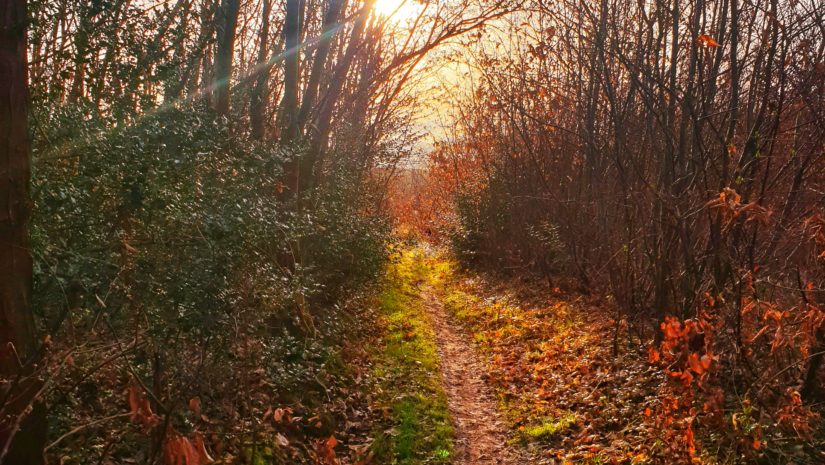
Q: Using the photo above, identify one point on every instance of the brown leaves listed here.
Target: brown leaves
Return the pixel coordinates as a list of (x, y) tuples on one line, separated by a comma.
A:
[(797, 417), (195, 405), (141, 409), (281, 415), (730, 206), (179, 450)]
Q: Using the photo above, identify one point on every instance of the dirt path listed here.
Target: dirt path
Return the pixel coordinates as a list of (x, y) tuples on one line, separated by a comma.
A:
[(481, 434)]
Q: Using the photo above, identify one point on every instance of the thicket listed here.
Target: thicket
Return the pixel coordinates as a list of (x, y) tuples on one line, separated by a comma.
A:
[(165, 260), (668, 155)]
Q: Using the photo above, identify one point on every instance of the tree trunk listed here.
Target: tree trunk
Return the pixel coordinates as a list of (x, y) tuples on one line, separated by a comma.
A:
[(22, 434), (227, 20), (311, 93), (323, 122), (257, 105), (289, 103), (288, 110), (81, 43), (811, 386)]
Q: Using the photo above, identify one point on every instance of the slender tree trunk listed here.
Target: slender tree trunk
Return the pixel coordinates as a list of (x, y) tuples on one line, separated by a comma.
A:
[(323, 122), (81, 43), (289, 103), (288, 109), (22, 431), (257, 104), (227, 20), (311, 93), (811, 387)]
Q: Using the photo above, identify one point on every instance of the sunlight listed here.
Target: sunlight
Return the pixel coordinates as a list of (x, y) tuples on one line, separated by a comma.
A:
[(398, 10)]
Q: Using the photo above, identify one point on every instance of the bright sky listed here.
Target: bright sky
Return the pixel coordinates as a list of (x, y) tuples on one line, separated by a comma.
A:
[(398, 10)]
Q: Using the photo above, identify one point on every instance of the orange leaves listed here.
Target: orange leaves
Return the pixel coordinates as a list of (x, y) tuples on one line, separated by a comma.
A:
[(141, 409), (686, 357), (653, 355), (775, 315), (179, 450), (690, 441), (730, 206), (326, 451), (756, 444), (195, 405), (672, 328), (707, 41), (697, 364), (200, 447), (684, 376), (796, 416)]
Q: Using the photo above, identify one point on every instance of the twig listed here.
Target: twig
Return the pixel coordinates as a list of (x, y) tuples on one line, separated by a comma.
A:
[(87, 425)]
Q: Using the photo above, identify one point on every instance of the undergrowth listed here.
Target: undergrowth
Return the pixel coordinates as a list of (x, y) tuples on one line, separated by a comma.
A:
[(560, 392)]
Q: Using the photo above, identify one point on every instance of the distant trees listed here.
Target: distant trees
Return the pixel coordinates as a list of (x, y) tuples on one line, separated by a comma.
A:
[(284, 70)]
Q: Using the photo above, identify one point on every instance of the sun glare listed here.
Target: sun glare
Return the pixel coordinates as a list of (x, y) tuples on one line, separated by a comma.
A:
[(398, 10)]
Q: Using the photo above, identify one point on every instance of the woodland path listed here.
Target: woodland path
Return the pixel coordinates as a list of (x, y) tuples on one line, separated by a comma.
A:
[(481, 433)]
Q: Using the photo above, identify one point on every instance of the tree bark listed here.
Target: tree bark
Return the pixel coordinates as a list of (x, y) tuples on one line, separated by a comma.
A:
[(257, 105), (323, 122), (289, 102), (311, 93), (227, 20), (22, 431)]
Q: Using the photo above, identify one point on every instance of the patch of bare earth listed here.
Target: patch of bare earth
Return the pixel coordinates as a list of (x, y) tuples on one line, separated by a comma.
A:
[(481, 433)]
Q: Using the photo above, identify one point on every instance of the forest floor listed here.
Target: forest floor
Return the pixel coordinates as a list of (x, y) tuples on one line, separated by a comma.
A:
[(481, 435), (480, 370)]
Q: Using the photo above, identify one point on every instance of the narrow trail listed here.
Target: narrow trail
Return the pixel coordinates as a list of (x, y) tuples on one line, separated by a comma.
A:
[(481, 434)]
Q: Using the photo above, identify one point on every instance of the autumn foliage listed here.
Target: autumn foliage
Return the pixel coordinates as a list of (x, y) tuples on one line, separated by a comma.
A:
[(669, 158)]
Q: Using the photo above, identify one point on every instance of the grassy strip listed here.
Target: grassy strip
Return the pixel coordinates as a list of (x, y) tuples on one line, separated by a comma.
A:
[(408, 373), (505, 333)]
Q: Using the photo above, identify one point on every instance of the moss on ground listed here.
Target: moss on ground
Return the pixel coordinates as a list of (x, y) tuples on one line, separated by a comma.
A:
[(408, 370), (549, 427)]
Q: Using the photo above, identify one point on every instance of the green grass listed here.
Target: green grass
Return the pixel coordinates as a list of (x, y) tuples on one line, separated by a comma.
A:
[(549, 428), (409, 373)]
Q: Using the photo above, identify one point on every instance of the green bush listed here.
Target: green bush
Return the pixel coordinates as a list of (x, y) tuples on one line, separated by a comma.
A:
[(170, 234)]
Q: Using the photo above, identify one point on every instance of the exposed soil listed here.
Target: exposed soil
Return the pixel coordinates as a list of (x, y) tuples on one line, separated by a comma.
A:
[(481, 434)]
